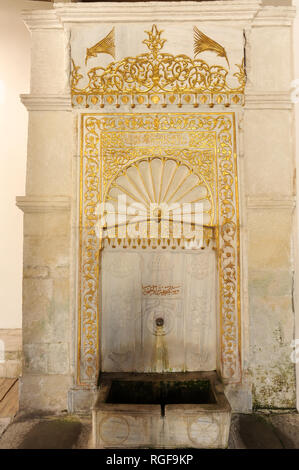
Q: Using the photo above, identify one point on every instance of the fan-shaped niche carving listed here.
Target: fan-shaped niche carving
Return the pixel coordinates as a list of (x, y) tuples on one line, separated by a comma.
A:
[(162, 191)]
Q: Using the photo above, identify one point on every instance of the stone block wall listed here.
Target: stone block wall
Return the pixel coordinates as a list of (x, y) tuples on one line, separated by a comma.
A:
[(269, 177)]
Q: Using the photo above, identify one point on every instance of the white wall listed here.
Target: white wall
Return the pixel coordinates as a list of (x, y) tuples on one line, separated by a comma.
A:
[(14, 79)]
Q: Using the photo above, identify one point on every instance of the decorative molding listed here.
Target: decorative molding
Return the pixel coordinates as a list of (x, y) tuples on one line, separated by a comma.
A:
[(42, 204), (39, 20), (164, 11), (47, 102), (241, 10), (275, 16), (283, 202), (268, 100), (255, 100)]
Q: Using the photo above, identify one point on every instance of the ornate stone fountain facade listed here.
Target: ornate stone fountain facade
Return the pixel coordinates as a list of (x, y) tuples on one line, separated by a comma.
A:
[(127, 91)]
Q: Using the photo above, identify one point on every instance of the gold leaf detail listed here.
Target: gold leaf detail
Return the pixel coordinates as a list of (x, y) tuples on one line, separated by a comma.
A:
[(155, 99), (203, 43), (154, 41), (156, 73), (200, 140), (105, 46)]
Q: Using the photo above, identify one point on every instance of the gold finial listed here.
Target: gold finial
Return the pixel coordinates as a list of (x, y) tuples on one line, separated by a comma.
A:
[(204, 43), (154, 41), (106, 46)]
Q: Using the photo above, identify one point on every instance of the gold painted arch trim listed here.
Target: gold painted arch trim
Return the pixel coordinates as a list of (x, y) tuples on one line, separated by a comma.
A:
[(106, 147)]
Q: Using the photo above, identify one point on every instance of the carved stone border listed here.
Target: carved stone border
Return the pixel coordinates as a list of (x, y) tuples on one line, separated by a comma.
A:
[(228, 239)]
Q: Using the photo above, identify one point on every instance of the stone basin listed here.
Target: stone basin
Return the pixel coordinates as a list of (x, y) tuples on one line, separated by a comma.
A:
[(166, 410)]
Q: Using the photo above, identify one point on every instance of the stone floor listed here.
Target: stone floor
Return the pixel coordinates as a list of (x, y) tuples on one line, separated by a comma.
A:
[(9, 401), (256, 431), (264, 431), (47, 432)]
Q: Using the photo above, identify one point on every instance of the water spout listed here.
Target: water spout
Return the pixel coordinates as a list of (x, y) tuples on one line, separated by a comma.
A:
[(160, 361)]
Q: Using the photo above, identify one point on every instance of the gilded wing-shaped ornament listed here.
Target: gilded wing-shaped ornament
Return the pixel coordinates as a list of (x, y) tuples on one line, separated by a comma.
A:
[(203, 43), (105, 46)]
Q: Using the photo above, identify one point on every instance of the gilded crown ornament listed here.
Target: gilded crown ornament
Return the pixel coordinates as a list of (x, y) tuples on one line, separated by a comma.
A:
[(154, 41), (157, 78), (203, 43)]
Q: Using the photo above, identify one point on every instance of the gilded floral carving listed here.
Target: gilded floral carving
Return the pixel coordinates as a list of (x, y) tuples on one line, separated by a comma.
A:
[(214, 156)]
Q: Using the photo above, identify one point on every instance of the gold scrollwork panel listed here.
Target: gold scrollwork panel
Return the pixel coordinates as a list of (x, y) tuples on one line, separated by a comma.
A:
[(205, 143)]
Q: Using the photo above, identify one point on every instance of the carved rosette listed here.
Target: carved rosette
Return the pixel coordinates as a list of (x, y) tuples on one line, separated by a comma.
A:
[(206, 142)]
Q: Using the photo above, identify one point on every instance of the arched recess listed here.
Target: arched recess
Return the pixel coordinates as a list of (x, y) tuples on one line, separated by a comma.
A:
[(158, 269), (112, 143)]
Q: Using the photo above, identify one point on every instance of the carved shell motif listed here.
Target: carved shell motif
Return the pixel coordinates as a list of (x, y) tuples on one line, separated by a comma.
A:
[(159, 190)]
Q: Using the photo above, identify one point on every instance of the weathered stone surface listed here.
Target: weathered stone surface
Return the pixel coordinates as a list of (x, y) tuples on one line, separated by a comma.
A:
[(47, 224), (47, 432), (271, 333), (286, 427), (60, 272), (52, 434), (80, 400), (46, 310), (239, 397), (35, 358), (46, 358), (272, 46), (269, 239), (267, 132), (44, 392), (50, 175), (48, 61), (46, 251), (58, 358), (274, 385), (271, 316), (37, 310), (122, 424), (32, 272), (252, 432)]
